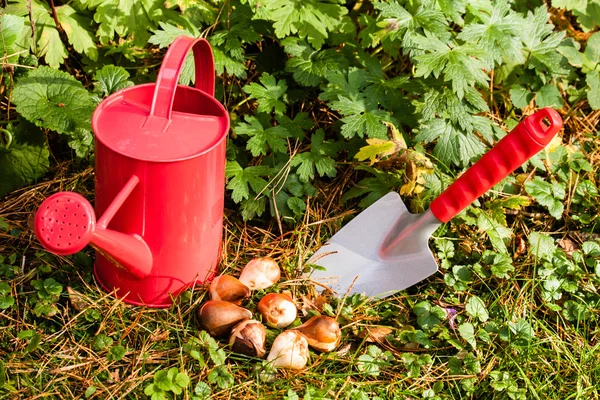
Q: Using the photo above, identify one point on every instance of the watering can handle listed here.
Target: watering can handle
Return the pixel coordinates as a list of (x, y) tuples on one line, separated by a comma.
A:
[(168, 76)]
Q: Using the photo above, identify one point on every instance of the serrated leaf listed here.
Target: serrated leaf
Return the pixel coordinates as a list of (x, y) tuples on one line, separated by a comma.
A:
[(203, 390), (548, 96), (375, 149), (541, 246), (78, 27), (102, 341), (262, 140), (11, 27), (520, 96), (427, 315), (308, 66), (467, 332), (475, 307), (297, 205), (497, 34), (318, 159), (123, 18), (460, 64), (496, 232), (242, 179), (167, 33), (310, 19), (221, 376), (270, 94), (548, 195), (54, 100), (593, 92), (111, 79), (25, 160), (182, 380)]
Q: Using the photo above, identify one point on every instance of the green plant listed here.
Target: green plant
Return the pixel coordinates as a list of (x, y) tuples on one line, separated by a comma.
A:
[(167, 382)]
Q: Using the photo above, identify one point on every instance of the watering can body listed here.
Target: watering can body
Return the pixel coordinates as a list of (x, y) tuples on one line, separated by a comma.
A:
[(160, 160)]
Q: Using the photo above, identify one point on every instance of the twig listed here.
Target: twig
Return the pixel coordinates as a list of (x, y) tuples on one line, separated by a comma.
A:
[(32, 22), (55, 16)]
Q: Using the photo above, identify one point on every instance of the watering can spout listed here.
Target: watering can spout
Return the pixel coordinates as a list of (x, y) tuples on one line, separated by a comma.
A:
[(65, 223)]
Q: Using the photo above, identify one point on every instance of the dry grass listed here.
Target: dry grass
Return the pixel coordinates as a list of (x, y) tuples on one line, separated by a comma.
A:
[(66, 362)]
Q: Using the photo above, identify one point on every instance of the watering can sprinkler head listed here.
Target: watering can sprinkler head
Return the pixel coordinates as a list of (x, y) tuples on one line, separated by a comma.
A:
[(65, 223)]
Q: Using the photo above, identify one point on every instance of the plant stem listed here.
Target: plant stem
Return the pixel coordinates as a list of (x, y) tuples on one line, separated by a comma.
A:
[(58, 26)]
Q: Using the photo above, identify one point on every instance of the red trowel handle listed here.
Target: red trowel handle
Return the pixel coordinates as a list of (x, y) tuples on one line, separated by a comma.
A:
[(522, 143)]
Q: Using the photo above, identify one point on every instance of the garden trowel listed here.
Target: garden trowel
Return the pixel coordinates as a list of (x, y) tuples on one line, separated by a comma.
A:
[(385, 248)]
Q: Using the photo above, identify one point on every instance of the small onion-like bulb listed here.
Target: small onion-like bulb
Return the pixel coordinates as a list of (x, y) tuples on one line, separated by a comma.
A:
[(289, 350), (249, 337), (228, 288), (260, 273), (217, 317), (278, 310), (323, 333)]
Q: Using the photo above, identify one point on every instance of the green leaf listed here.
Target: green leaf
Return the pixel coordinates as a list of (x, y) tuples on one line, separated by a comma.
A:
[(576, 311), (244, 179), (102, 341), (540, 41), (548, 195), (49, 43), (221, 376), (111, 79), (476, 309), (48, 289), (319, 159), (54, 100), (33, 343), (11, 27), (78, 27), (116, 353), (521, 329), (182, 380), (461, 64), (25, 160), (496, 232), (297, 205), (128, 18), (310, 67), (374, 359), (593, 92), (548, 96), (271, 95), (496, 34), (520, 96), (541, 246), (427, 315), (467, 332), (310, 19), (89, 391), (167, 34), (6, 300), (203, 390), (262, 140), (500, 264)]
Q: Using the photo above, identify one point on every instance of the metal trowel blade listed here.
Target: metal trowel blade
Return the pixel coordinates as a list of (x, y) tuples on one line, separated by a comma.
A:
[(356, 258)]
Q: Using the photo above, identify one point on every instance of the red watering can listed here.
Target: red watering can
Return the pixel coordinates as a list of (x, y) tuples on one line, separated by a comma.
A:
[(160, 160)]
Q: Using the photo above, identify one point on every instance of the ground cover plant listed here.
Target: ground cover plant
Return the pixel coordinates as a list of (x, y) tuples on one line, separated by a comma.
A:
[(333, 104)]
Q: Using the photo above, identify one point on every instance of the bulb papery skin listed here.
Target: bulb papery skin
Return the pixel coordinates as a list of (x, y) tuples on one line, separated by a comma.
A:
[(323, 333), (228, 288), (289, 350), (217, 317), (249, 337), (278, 310), (260, 273)]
